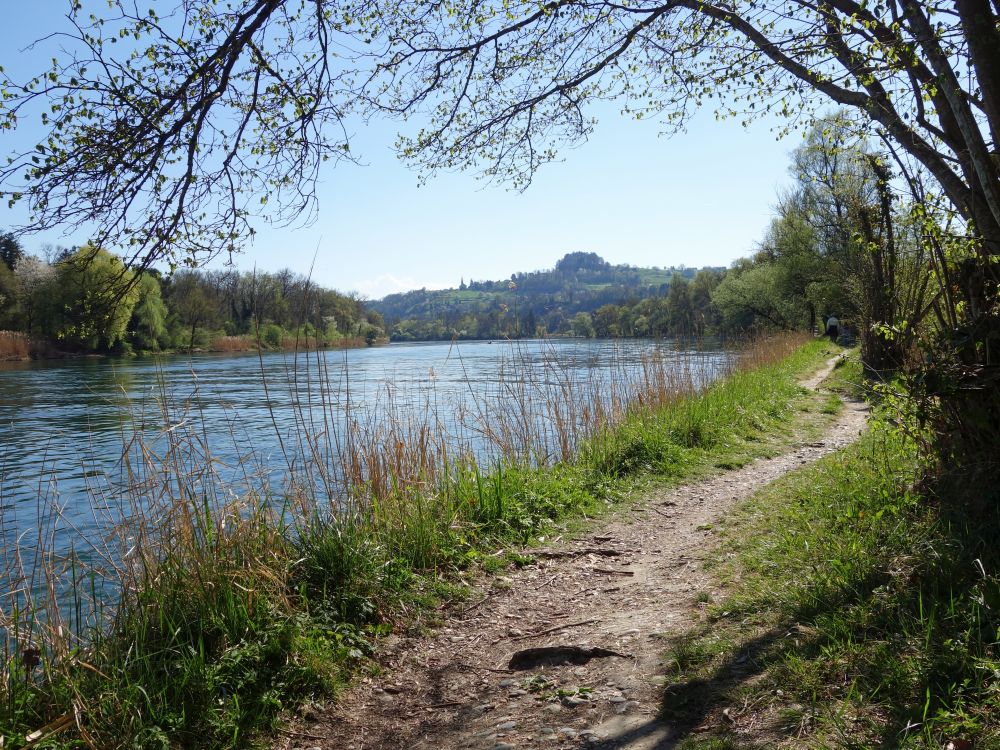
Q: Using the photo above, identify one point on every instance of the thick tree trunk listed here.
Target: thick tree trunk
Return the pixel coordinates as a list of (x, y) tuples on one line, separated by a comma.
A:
[(980, 26)]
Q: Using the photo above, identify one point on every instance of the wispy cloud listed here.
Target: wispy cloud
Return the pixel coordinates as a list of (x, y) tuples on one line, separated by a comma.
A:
[(388, 284)]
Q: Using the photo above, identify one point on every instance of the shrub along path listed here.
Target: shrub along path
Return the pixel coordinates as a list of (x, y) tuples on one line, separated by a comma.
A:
[(612, 596)]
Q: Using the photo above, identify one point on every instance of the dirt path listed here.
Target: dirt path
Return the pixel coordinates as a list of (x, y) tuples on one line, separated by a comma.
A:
[(620, 588)]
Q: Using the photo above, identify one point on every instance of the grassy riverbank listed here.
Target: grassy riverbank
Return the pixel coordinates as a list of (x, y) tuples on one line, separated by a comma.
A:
[(235, 611), (860, 610)]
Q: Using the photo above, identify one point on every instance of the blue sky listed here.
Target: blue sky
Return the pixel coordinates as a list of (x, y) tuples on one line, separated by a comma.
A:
[(703, 197)]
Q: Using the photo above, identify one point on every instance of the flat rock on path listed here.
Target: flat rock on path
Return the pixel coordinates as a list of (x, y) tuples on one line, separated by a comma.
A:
[(454, 689)]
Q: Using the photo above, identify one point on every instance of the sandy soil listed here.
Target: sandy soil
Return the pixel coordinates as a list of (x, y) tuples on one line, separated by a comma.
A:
[(619, 588)]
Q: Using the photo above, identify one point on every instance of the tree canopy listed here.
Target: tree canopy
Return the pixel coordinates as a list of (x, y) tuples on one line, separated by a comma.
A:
[(92, 299), (170, 133)]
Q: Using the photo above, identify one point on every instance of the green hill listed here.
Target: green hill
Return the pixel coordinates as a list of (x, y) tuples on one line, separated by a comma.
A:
[(525, 304)]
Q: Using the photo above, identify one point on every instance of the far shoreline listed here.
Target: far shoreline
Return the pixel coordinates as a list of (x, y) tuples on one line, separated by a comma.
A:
[(39, 351)]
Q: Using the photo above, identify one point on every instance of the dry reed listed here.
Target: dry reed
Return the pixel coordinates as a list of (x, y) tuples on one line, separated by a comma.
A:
[(15, 345)]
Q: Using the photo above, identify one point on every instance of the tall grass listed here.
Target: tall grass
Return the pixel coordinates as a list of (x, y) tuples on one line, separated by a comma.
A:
[(214, 600), (233, 344), (15, 345)]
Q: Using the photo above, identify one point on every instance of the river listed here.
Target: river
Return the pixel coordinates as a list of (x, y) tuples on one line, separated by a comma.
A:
[(74, 432)]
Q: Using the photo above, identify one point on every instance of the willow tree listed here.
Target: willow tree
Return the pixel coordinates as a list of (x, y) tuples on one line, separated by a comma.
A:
[(91, 299)]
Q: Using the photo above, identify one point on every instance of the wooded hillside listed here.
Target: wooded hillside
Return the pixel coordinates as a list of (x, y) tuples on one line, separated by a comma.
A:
[(615, 300)]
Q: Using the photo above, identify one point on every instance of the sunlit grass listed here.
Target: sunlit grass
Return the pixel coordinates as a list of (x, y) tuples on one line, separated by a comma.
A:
[(862, 612)]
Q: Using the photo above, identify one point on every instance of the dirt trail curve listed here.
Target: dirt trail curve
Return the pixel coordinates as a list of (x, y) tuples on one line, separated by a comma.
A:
[(622, 585)]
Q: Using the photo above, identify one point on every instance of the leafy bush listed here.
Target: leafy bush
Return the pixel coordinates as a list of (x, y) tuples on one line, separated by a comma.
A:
[(271, 335)]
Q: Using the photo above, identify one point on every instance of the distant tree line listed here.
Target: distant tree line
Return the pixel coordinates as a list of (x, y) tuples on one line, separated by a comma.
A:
[(88, 301), (842, 244)]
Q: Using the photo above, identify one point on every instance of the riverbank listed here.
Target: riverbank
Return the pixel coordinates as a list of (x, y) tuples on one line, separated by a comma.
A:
[(17, 347), (241, 614)]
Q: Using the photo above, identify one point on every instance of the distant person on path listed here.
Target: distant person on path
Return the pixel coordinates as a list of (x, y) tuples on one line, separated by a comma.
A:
[(833, 328)]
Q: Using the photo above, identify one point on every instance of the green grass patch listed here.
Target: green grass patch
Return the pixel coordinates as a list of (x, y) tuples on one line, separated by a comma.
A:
[(831, 404), (848, 377), (861, 614), (244, 617)]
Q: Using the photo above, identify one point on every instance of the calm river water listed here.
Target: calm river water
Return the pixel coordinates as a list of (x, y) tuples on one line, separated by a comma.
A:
[(72, 430)]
